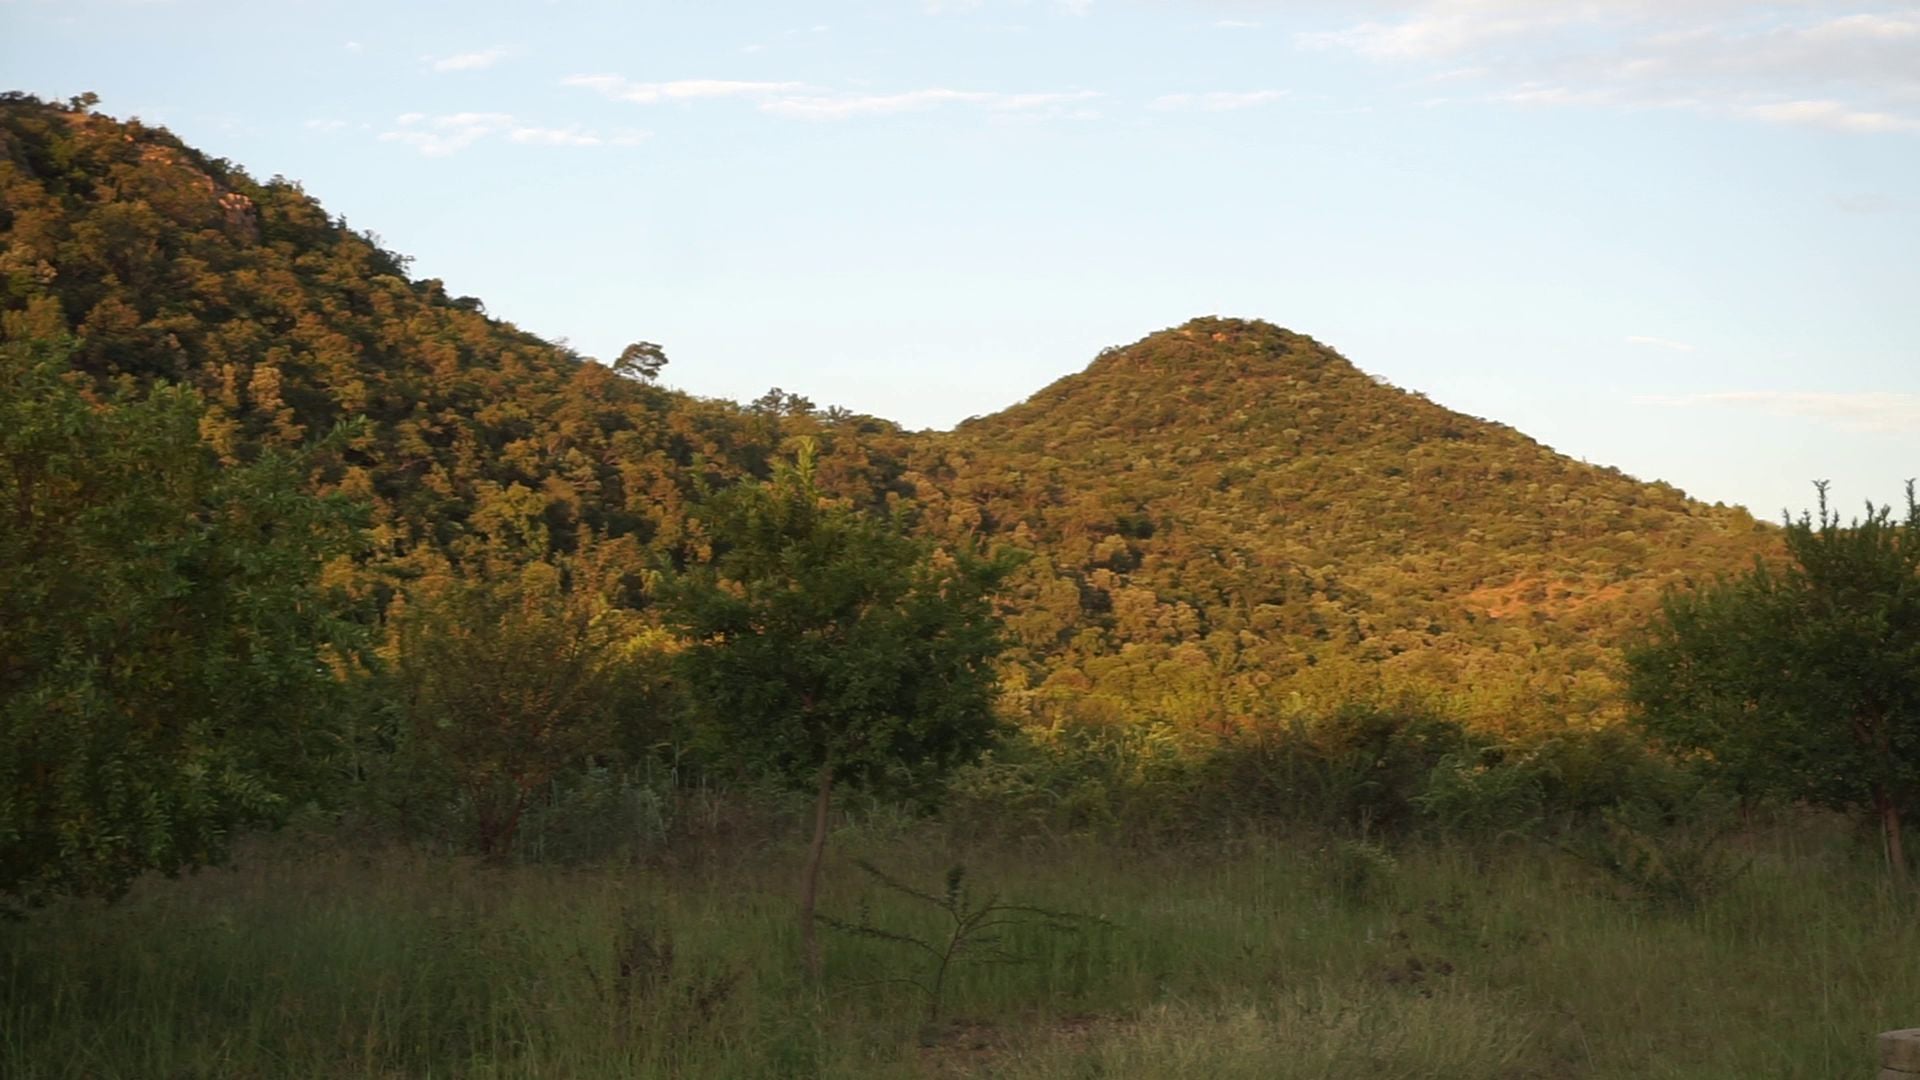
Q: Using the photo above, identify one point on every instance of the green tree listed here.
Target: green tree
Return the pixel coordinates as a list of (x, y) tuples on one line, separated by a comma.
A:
[(641, 360), (825, 647), (513, 673), (167, 657), (1802, 681)]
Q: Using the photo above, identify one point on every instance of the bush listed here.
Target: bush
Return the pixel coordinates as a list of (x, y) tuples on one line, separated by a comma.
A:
[(1363, 767)]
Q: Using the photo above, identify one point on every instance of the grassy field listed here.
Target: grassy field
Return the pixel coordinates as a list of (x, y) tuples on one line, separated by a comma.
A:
[(1253, 958)]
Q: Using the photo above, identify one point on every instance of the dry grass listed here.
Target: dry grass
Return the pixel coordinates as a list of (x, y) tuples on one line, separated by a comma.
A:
[(1248, 960)]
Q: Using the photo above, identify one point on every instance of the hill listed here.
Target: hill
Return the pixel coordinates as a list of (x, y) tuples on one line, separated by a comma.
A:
[(1229, 514), (163, 263), (1228, 519)]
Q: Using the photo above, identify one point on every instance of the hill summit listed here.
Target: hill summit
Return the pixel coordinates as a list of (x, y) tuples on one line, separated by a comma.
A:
[(1233, 496)]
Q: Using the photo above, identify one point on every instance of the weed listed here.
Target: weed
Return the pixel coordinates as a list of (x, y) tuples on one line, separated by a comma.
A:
[(971, 932)]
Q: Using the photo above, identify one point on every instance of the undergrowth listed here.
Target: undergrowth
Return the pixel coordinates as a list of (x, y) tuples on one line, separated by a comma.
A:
[(1251, 955)]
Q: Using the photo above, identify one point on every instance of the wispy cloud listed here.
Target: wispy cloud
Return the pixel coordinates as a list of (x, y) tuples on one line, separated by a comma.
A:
[(950, 7), (1658, 343), (440, 136), (1217, 101), (801, 101), (845, 106), (574, 136), (320, 124), (470, 61), (1834, 116), (1806, 63), (620, 88), (1872, 411)]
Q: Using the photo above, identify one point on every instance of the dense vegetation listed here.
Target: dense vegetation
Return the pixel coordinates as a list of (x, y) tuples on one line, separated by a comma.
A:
[(1227, 517), (1289, 705), (1803, 682), (1231, 516), (155, 607)]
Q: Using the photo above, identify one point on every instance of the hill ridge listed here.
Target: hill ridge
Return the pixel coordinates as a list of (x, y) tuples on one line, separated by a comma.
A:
[(1225, 516)]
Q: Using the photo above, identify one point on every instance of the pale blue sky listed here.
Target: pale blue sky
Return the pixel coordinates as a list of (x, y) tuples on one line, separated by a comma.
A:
[(1677, 236)]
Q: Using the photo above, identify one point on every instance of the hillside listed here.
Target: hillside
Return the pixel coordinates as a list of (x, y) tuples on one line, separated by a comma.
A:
[(163, 263), (1227, 508), (1226, 518)]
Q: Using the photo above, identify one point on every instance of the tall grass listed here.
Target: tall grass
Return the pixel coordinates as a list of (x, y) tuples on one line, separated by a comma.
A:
[(1249, 957)]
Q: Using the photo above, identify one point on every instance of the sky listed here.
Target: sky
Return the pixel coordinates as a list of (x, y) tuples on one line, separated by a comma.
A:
[(1678, 237)]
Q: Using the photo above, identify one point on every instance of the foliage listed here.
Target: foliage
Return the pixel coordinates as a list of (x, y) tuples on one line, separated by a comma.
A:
[(1365, 771), (1679, 862), (818, 638), (1234, 524), (1803, 680), (825, 647), (1231, 522), (168, 657), (514, 676)]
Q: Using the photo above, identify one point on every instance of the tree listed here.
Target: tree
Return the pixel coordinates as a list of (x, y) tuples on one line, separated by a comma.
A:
[(515, 672), (825, 647), (641, 360), (167, 655), (1802, 681)]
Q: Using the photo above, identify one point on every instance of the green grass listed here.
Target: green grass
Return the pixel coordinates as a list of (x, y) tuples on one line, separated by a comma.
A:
[(1258, 958)]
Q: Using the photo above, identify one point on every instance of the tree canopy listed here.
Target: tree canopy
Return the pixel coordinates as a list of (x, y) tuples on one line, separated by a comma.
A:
[(1802, 680), (167, 647), (824, 646)]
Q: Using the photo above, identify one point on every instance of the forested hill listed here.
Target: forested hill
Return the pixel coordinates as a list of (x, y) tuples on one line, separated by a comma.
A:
[(1226, 518), (165, 263), (1227, 508)]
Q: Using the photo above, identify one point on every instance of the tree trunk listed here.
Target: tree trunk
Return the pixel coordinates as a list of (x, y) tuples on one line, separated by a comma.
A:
[(810, 877), (1890, 828)]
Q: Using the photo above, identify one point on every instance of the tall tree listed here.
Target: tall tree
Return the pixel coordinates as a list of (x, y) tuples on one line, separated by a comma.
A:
[(167, 656), (517, 670), (1802, 681), (825, 647)]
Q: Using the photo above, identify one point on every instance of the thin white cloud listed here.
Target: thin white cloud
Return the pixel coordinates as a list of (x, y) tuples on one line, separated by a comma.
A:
[(1658, 343), (354, 47), (1234, 24), (952, 7), (545, 136), (1807, 63), (845, 106), (1872, 411), (1833, 116), (1216, 101), (440, 136), (471, 61), (620, 88)]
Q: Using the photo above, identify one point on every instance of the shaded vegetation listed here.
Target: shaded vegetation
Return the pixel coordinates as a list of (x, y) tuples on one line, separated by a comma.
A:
[(1238, 960)]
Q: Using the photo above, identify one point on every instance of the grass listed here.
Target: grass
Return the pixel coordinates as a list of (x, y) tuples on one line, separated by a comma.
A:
[(1255, 958)]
